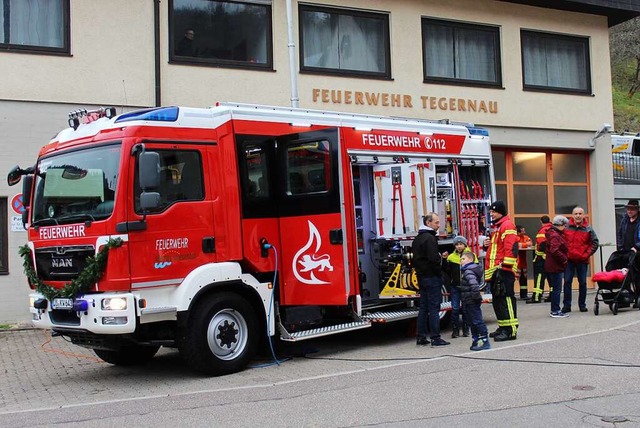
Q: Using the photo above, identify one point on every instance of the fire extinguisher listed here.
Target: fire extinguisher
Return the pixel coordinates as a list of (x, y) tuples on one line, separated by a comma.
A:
[(447, 208)]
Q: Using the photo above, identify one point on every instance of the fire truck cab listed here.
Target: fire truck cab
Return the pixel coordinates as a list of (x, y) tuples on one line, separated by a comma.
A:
[(237, 223)]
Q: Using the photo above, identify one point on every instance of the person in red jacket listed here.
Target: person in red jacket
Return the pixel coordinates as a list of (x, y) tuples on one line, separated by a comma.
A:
[(501, 267), (555, 262), (582, 242), (539, 275)]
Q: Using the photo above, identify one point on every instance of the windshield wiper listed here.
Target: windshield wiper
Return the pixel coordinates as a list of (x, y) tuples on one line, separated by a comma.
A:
[(44, 221), (72, 217)]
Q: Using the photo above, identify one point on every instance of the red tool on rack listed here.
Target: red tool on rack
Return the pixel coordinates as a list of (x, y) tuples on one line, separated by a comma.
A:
[(378, 175)]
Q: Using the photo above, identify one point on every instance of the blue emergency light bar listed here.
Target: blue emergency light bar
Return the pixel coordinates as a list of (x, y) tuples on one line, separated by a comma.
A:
[(478, 131), (162, 114)]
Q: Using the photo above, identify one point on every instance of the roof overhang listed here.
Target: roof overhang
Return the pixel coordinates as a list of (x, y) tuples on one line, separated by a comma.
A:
[(616, 11)]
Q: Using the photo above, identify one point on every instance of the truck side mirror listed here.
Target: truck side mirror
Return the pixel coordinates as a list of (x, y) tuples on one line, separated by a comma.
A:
[(149, 200), (13, 177), (149, 170)]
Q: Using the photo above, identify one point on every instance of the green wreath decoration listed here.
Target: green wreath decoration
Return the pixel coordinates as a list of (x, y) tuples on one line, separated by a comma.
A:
[(85, 280)]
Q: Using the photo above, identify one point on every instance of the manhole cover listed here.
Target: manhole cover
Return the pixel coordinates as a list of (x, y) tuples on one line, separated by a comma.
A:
[(584, 388)]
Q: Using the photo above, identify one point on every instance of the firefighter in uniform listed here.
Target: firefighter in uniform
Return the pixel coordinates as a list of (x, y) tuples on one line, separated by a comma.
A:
[(501, 267), (539, 276), (524, 242)]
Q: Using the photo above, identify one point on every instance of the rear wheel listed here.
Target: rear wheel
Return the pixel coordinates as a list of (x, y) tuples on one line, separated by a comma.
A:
[(596, 309), (132, 355), (614, 308), (221, 336)]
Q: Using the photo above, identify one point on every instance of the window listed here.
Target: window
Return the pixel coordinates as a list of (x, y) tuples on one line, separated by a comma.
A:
[(557, 63), (222, 33), (180, 178), (256, 179), (4, 238), (34, 25), (460, 53), (308, 168), (345, 42)]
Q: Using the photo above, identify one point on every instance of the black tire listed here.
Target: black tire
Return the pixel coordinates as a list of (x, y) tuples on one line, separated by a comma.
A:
[(614, 308), (132, 355), (221, 336), (596, 309)]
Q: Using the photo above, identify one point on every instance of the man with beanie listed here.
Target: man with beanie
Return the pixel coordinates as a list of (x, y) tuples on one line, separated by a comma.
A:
[(583, 243), (556, 262), (539, 275), (427, 263), (501, 267)]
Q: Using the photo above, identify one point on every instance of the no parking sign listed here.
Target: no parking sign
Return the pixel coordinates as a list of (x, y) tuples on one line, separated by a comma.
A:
[(16, 204)]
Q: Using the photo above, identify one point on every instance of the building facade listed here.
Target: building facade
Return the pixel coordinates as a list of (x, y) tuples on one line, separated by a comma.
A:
[(536, 74)]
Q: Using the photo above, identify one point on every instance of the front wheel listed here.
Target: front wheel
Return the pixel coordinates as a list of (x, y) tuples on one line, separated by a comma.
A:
[(132, 355), (221, 336)]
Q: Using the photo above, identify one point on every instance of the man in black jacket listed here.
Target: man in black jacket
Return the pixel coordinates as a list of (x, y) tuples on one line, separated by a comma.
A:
[(427, 263)]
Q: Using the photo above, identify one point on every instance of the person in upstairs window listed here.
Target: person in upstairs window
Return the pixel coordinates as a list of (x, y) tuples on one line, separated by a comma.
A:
[(186, 46)]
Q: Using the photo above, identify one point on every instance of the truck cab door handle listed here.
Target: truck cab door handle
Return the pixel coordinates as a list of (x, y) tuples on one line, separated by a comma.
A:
[(335, 236)]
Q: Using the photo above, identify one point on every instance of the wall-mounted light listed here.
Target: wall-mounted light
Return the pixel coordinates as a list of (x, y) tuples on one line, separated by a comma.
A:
[(604, 129)]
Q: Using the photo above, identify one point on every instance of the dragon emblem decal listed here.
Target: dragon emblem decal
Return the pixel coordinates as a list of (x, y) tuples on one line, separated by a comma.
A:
[(306, 262)]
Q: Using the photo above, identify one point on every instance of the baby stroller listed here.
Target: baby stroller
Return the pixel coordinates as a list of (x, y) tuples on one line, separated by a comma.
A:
[(618, 286)]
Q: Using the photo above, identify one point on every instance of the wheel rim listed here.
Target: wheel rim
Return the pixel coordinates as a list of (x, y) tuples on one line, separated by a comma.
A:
[(227, 334)]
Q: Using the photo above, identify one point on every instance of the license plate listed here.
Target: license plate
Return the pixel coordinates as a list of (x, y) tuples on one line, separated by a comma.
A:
[(62, 304)]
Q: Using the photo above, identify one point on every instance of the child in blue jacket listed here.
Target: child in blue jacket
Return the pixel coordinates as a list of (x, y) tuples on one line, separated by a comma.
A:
[(472, 300)]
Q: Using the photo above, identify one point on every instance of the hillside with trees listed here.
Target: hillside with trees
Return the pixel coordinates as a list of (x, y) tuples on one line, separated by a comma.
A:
[(625, 73)]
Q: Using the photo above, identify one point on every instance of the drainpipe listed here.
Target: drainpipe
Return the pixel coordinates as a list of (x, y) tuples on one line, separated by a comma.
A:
[(156, 40), (292, 57)]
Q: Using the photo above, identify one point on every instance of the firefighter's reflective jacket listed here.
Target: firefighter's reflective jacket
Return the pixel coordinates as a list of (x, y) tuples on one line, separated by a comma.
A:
[(503, 248)]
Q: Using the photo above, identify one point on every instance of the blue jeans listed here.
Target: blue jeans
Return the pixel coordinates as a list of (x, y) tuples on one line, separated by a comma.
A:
[(454, 296), (430, 300), (555, 282), (474, 318), (581, 270)]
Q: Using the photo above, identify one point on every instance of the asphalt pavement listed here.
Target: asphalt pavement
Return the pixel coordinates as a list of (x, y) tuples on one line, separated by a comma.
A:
[(580, 371)]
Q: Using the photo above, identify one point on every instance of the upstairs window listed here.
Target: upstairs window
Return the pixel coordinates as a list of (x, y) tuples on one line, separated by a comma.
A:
[(555, 62), (461, 53), (344, 42), (34, 25), (221, 33)]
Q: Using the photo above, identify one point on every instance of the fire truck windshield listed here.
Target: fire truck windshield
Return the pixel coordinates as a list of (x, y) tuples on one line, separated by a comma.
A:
[(76, 186)]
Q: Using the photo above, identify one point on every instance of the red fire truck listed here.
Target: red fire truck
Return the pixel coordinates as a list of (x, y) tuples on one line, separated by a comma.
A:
[(214, 229)]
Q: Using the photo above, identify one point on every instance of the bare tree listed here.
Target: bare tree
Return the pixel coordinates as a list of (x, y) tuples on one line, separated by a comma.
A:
[(625, 50)]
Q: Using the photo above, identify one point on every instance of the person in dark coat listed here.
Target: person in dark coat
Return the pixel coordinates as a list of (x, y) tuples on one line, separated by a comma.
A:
[(472, 301), (427, 263), (555, 262), (186, 46), (628, 236)]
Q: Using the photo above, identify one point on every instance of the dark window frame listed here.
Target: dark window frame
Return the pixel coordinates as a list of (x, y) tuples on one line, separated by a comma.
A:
[(553, 89), (222, 63), (386, 75), (65, 50), (455, 25), (4, 236)]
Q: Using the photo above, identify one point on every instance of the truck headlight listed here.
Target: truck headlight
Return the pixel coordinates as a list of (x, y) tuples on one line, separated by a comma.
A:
[(114, 304)]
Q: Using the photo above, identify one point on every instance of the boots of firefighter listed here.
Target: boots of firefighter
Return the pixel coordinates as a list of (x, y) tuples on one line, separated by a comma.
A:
[(481, 344), (455, 331), (465, 329)]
